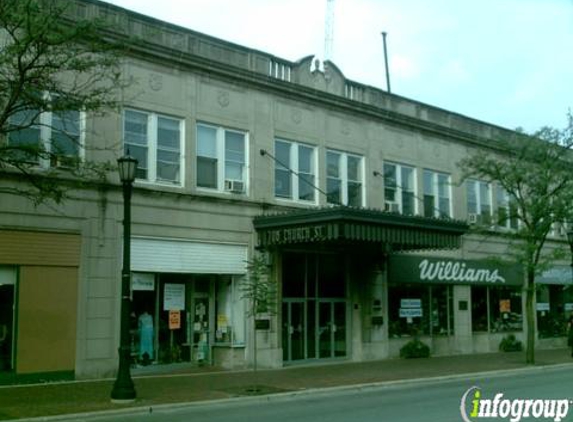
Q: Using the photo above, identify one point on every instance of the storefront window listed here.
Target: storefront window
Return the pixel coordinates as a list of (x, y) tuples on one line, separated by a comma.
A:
[(505, 309), (230, 311), (554, 304), (409, 310), (441, 306), (479, 308)]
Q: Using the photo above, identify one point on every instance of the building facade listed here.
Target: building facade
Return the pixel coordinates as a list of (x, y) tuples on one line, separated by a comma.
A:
[(351, 194)]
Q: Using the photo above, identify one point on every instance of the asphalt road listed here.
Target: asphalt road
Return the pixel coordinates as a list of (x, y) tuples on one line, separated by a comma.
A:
[(408, 403)]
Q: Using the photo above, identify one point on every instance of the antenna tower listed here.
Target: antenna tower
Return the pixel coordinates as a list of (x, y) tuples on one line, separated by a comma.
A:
[(329, 30)]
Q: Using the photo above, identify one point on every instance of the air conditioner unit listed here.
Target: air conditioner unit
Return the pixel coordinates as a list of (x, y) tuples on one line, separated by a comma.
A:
[(392, 207), (235, 186), (473, 218)]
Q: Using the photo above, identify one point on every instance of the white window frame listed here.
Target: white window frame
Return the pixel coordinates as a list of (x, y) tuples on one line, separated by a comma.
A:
[(478, 187), (500, 191), (343, 175), (220, 149), (399, 187), (295, 180), (44, 122), (152, 146), (435, 192)]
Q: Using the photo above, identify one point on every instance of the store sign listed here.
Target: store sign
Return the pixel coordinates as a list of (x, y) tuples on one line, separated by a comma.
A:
[(542, 306), (556, 275), (143, 282), (174, 297), (295, 235), (418, 269)]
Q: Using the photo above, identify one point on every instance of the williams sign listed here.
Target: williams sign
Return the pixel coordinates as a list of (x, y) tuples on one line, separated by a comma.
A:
[(419, 269)]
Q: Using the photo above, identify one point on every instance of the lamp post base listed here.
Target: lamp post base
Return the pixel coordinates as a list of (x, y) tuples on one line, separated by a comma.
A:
[(123, 394), (123, 389)]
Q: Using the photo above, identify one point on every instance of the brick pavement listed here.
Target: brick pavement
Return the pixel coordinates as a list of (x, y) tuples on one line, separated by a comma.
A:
[(198, 384)]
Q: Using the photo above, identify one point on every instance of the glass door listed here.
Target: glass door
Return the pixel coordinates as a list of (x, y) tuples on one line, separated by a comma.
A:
[(294, 330), (331, 329)]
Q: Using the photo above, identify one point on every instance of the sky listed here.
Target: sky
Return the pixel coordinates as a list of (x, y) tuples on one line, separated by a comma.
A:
[(505, 62)]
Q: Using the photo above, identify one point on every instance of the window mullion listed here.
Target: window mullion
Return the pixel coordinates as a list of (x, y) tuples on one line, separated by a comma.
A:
[(344, 177), (295, 177), (152, 143), (221, 163)]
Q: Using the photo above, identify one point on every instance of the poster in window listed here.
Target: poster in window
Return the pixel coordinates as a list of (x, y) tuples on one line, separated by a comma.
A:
[(174, 297), (174, 320), (504, 305), (410, 312)]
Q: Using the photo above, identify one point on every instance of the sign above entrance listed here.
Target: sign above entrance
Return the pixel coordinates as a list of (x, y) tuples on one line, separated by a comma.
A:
[(419, 269), (143, 282)]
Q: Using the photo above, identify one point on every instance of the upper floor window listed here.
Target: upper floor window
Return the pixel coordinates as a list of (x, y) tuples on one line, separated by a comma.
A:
[(221, 159), (47, 139), (507, 214), (344, 179), (156, 141), (479, 201), (437, 197), (295, 171), (399, 189)]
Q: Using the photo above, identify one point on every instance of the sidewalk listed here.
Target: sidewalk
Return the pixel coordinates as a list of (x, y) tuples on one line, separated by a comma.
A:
[(201, 384)]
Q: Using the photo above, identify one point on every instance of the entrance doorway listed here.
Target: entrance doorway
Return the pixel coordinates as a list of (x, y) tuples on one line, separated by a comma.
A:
[(314, 307), (7, 291)]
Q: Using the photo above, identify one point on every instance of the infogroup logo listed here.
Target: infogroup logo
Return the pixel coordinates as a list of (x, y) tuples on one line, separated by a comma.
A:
[(474, 407)]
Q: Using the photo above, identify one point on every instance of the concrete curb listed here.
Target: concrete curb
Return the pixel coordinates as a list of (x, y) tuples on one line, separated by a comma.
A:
[(341, 389)]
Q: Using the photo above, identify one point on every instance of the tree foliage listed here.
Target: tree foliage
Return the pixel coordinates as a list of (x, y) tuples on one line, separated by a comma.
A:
[(51, 61), (536, 172)]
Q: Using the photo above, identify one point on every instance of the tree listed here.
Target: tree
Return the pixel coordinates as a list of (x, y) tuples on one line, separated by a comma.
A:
[(51, 64), (260, 290), (536, 173)]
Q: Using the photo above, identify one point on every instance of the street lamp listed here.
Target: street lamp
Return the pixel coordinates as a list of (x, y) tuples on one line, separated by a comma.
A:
[(123, 388)]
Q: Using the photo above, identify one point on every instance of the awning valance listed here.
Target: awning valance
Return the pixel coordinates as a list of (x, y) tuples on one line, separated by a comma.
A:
[(357, 225)]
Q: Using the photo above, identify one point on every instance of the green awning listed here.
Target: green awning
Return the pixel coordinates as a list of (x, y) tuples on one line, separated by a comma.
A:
[(335, 225)]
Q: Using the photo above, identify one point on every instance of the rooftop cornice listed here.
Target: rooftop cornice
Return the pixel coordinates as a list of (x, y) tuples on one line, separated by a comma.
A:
[(152, 39)]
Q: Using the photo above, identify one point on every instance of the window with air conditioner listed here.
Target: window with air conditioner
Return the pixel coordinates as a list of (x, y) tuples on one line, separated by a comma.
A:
[(479, 202), (399, 188), (221, 159)]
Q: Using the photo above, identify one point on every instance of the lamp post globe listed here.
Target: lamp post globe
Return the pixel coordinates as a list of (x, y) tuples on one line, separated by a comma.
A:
[(123, 387)]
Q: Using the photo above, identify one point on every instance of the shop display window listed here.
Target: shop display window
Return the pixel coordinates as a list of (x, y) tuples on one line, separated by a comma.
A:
[(505, 309), (479, 309), (441, 306), (408, 307), (554, 304), (230, 311), (420, 310)]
